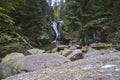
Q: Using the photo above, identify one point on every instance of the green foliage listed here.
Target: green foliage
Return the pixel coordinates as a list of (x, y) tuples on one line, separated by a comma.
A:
[(29, 18), (37, 13), (6, 49), (87, 16), (5, 37), (114, 38), (35, 22), (79, 13), (57, 12), (71, 18), (7, 7)]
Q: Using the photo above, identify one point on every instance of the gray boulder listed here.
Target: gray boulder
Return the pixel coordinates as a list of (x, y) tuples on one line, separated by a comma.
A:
[(72, 54), (35, 51), (75, 55), (94, 53), (31, 63), (104, 67)]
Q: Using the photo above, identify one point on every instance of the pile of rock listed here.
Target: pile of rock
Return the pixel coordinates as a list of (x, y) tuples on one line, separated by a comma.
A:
[(102, 67), (69, 63)]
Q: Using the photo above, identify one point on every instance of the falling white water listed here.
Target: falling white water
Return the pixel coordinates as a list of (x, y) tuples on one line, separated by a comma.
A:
[(55, 27), (55, 2)]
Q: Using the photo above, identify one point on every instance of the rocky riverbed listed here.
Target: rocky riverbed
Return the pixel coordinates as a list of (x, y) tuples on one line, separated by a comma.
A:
[(70, 63)]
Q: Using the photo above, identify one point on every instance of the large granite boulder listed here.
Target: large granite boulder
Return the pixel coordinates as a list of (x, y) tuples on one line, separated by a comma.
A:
[(103, 67), (31, 63), (12, 56)]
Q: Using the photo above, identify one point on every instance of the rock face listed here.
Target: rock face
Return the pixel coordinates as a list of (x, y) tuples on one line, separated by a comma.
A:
[(31, 63), (102, 67), (12, 56)]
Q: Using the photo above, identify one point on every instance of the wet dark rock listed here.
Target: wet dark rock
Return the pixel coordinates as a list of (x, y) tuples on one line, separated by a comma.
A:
[(85, 49), (60, 47)]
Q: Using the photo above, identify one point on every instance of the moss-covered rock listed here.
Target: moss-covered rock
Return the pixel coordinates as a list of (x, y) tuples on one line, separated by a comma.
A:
[(12, 56), (75, 55), (35, 51), (100, 45), (31, 63), (104, 67)]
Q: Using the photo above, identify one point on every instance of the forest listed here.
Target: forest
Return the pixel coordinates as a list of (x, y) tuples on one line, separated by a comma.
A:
[(59, 39), (27, 23)]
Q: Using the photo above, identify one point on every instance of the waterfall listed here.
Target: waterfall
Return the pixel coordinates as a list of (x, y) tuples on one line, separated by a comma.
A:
[(56, 29)]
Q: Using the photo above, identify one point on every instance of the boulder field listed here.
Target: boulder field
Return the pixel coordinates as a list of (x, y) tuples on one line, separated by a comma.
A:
[(67, 64)]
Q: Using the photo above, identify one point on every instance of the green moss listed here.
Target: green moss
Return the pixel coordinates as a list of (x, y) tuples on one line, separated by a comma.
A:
[(9, 48), (48, 47), (13, 45), (5, 38)]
